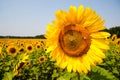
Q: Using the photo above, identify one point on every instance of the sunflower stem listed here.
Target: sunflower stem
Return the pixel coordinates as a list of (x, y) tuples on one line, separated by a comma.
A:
[(78, 75)]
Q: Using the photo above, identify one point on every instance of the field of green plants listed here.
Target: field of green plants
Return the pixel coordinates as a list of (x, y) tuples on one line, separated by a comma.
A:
[(27, 59)]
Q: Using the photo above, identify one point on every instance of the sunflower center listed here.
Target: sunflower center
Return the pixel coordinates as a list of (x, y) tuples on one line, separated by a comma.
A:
[(38, 46), (29, 48), (41, 59), (74, 42), (119, 42), (71, 40), (21, 50), (12, 50)]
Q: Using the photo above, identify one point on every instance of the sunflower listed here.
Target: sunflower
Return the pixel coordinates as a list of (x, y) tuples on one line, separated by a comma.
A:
[(116, 51), (28, 63), (12, 50), (113, 39), (29, 48), (42, 59), (1, 44), (38, 46), (118, 42), (22, 43), (23, 59), (75, 39), (21, 49)]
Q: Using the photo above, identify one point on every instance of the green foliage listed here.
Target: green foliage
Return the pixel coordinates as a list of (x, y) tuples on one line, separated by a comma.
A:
[(99, 73), (60, 74), (7, 64), (112, 62), (8, 76)]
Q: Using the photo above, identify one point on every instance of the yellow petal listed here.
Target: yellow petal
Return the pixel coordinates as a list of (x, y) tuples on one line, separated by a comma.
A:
[(93, 29), (59, 58), (75, 65), (73, 10), (86, 62), (80, 67), (100, 44), (84, 69), (63, 62), (94, 57), (100, 35), (72, 16), (54, 54), (97, 51), (50, 48), (89, 59), (60, 15), (69, 66), (79, 13)]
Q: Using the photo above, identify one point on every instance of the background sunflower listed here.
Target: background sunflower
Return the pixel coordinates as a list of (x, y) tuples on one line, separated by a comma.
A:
[(29, 48), (12, 50)]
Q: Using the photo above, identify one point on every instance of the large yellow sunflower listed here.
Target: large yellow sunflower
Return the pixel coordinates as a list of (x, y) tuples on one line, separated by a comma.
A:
[(75, 39)]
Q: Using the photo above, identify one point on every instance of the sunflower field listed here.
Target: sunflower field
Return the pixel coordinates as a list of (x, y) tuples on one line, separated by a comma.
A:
[(76, 48), (27, 59)]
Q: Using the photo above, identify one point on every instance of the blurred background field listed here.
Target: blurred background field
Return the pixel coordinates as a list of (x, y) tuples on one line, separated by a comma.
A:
[(25, 58)]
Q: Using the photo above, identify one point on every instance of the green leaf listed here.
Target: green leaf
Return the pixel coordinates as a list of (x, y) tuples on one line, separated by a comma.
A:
[(8, 76), (115, 71), (99, 73), (55, 74)]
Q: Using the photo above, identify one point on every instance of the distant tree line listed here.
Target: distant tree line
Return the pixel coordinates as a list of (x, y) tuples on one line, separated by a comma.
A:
[(26, 37), (112, 30)]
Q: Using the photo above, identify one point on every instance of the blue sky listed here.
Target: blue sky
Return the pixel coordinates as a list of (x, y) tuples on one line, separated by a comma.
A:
[(30, 17)]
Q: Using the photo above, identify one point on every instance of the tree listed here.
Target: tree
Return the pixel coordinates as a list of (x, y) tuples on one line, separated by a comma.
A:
[(114, 30), (40, 36)]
